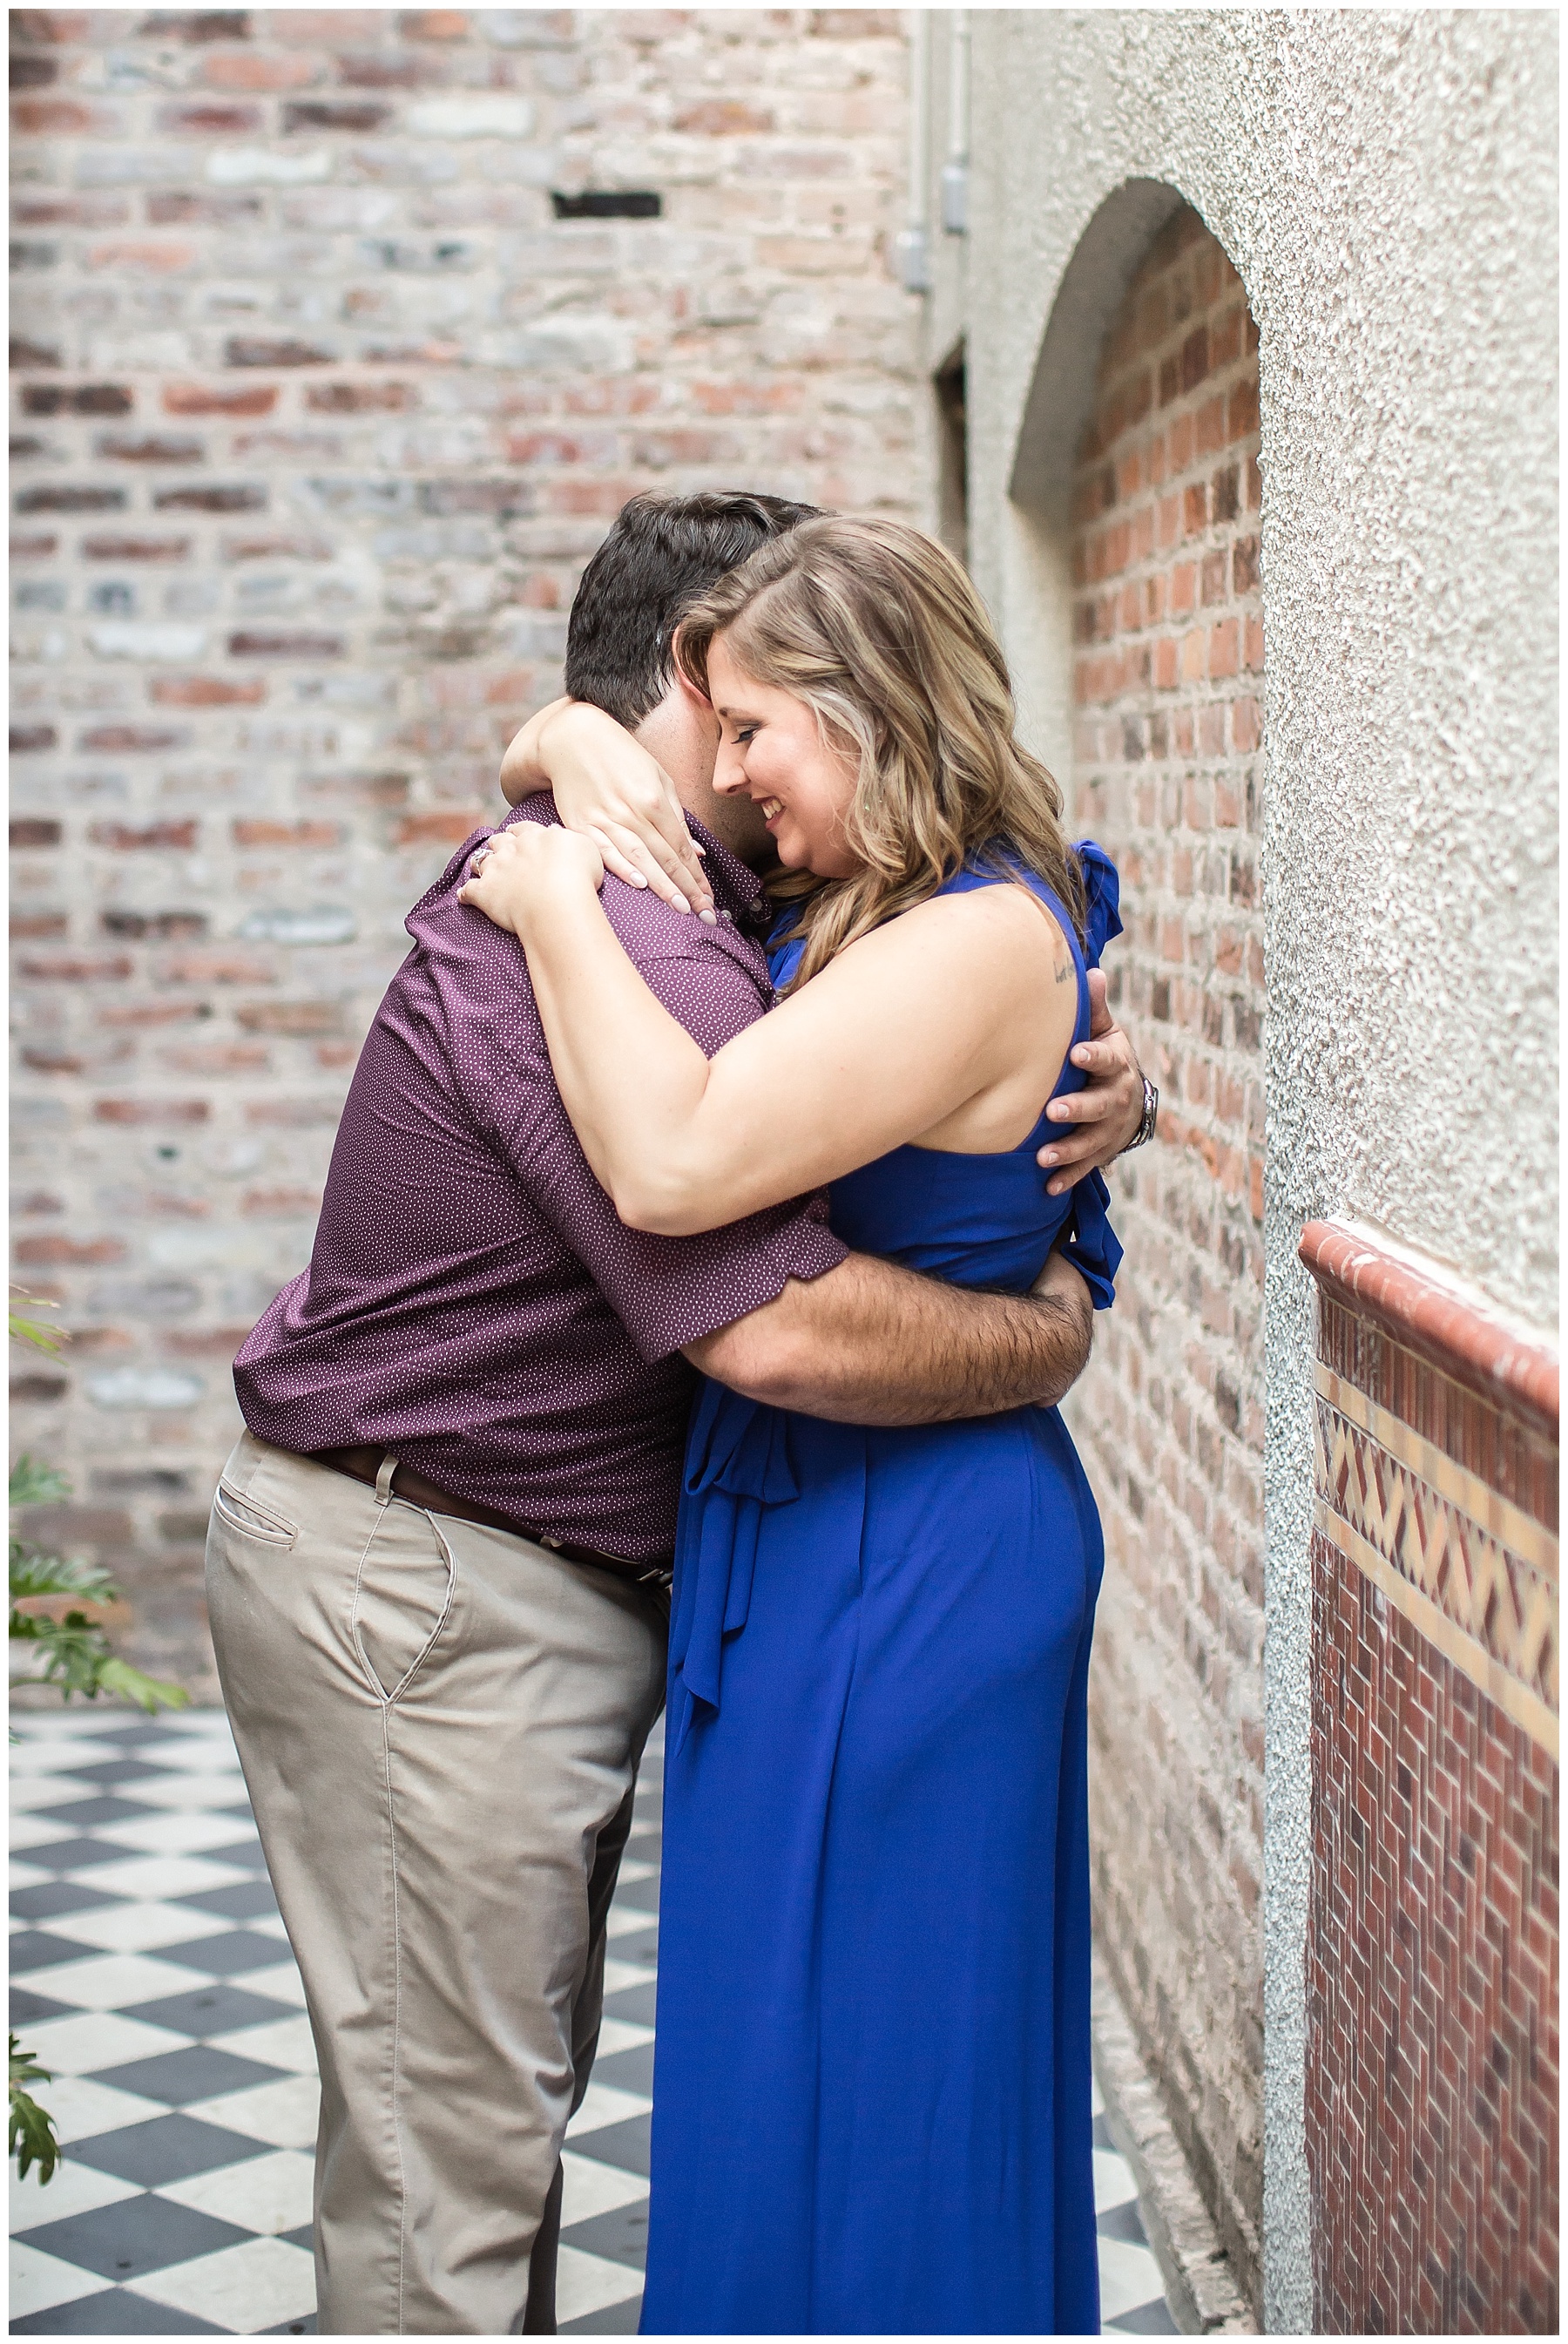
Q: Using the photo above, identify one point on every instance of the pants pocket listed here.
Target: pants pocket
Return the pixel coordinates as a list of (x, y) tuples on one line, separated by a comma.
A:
[(251, 1520), (402, 1595)]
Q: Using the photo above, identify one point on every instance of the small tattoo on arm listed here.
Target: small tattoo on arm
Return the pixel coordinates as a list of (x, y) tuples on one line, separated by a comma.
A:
[(1064, 972)]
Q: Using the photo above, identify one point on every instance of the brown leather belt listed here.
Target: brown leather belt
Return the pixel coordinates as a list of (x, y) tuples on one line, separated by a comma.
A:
[(365, 1465)]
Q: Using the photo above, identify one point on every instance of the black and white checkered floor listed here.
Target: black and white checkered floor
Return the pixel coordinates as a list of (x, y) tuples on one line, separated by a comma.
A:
[(153, 1977)]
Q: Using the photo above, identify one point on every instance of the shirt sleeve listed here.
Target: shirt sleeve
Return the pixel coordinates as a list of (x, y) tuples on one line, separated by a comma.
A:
[(671, 1291)]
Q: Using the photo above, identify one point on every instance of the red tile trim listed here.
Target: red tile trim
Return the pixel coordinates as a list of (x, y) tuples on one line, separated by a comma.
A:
[(1427, 1318), (1431, 2093), (1433, 2049)]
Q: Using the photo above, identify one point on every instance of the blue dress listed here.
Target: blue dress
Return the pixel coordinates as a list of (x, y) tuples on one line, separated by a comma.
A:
[(872, 2092)]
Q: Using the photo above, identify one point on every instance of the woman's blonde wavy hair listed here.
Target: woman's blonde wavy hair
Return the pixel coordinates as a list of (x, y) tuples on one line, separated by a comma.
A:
[(879, 631)]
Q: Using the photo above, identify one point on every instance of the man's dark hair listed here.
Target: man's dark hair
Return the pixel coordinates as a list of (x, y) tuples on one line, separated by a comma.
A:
[(660, 554)]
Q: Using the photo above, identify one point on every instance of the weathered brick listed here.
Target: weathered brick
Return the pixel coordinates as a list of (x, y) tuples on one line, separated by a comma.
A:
[(135, 549), (191, 208), (1159, 778), (206, 119), (119, 739), (235, 498), (154, 837), (61, 117), (280, 1204), (250, 832), (161, 926), (196, 26), (161, 1113), (78, 398), (64, 1252), (200, 399), (255, 644), (276, 547), (299, 1019), (334, 113), (67, 498), (207, 690), (76, 968), (220, 965), (722, 117), (403, 401), (443, 828), (357, 398), (259, 350), (151, 448)]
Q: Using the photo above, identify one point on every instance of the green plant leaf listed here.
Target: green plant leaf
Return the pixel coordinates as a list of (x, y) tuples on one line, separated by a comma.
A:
[(35, 1573), (23, 1328), (75, 1655), (132, 1685), (32, 1484), (31, 2140), (74, 1649)]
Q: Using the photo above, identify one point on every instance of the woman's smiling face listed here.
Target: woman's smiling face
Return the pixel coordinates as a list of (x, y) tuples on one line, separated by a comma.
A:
[(772, 750)]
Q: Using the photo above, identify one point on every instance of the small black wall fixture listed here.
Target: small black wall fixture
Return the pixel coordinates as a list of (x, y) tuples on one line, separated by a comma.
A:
[(609, 203)]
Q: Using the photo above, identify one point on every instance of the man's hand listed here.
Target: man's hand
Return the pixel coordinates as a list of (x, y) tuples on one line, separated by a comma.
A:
[(1109, 1109), (609, 789), (1059, 1286), (872, 1343)]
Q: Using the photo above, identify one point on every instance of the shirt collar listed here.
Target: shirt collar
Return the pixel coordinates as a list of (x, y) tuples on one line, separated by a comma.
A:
[(736, 887)]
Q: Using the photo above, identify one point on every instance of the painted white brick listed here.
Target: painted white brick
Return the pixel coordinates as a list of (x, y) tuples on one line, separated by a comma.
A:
[(321, 924), (146, 639), (476, 113), (264, 167), (154, 1387)]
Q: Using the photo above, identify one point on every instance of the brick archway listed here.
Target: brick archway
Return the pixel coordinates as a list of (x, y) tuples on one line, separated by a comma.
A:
[(1166, 772)]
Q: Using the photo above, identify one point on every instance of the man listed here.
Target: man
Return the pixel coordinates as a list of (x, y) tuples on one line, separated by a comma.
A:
[(436, 1557)]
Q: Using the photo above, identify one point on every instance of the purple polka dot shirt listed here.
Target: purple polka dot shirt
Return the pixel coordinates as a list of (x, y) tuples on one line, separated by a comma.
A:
[(472, 1303)]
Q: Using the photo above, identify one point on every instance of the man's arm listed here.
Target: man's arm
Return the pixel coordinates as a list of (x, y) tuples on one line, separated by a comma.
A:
[(870, 1343), (1105, 1115)]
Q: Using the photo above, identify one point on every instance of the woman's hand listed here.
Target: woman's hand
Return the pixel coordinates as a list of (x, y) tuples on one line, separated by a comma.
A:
[(526, 866), (608, 787)]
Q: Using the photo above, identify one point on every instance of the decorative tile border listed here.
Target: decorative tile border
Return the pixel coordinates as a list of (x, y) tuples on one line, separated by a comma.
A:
[(1431, 2083), (1472, 1572), (1468, 1565)]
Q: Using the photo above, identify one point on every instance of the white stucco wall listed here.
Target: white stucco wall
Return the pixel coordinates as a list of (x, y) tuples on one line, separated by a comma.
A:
[(1386, 186)]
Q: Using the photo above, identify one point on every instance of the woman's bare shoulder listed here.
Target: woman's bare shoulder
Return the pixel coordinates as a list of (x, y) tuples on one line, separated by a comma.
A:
[(1004, 928)]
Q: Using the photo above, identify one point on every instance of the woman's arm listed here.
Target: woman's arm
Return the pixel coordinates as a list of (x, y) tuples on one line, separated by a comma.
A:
[(967, 1003), (608, 787)]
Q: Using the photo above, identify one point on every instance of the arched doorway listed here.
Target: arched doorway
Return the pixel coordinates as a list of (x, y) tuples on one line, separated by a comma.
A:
[(1139, 466)]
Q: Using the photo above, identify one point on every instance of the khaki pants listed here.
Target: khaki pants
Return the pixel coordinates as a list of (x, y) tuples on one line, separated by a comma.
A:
[(440, 1727)]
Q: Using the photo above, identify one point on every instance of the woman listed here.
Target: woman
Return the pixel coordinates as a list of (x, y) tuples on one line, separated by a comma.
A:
[(872, 2087)]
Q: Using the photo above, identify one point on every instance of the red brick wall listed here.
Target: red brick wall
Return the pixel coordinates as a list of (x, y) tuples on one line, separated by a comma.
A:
[(1431, 1975), (319, 411), (1165, 774)]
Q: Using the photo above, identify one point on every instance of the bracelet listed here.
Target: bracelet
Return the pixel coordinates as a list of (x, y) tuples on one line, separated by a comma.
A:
[(1145, 1130)]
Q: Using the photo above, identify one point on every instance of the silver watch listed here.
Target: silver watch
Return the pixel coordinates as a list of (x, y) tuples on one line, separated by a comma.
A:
[(1150, 1109)]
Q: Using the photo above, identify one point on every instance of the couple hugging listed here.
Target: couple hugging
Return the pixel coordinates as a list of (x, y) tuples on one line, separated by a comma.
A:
[(618, 1278)]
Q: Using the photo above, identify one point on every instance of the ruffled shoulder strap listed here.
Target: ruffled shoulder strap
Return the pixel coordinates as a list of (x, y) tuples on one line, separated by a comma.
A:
[(1101, 899)]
